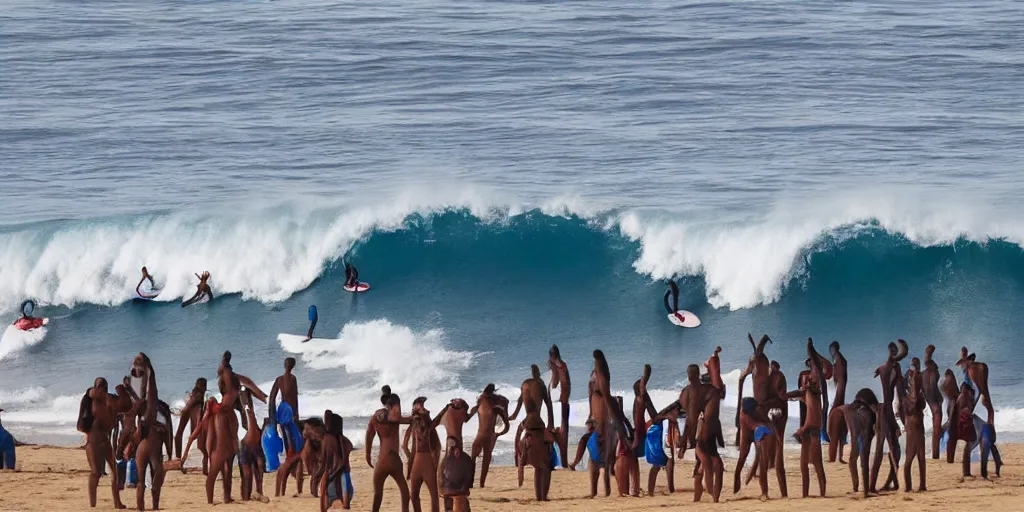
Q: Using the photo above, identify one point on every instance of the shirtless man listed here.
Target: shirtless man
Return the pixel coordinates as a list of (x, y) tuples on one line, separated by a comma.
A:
[(913, 411), (534, 394), (559, 379), (861, 420), (891, 379), (933, 395), (190, 415), (313, 431), (709, 438), (836, 422), (202, 290), (693, 399), (335, 451), (288, 386), (423, 460), (809, 434), (608, 422), (251, 460), (150, 433), (978, 374), (238, 380), (671, 414), (96, 418), (456, 476), (642, 409), (766, 440), (964, 411), (489, 406), (952, 391), (385, 424), (625, 459)]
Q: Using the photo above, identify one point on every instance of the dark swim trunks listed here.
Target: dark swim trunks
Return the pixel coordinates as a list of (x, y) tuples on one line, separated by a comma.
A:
[(247, 456)]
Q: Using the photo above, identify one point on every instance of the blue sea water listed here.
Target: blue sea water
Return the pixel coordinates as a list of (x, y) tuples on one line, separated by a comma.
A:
[(506, 175)]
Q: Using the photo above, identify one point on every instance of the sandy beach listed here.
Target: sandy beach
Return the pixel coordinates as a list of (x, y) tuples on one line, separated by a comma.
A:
[(51, 478)]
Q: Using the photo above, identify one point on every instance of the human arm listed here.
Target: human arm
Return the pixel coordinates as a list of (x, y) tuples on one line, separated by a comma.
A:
[(519, 404), (371, 432), (85, 417)]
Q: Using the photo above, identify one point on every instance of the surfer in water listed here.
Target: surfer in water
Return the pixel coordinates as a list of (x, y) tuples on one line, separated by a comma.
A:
[(27, 321), (152, 285), (202, 290), (673, 290), (351, 276), (313, 317)]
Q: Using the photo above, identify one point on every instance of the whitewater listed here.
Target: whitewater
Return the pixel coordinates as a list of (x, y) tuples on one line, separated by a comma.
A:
[(506, 176)]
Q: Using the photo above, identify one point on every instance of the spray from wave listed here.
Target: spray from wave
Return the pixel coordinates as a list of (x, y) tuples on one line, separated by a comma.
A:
[(15, 340), (376, 353)]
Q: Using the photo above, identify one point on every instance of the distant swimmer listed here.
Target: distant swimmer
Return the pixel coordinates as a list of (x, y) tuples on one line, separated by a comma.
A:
[(27, 321), (152, 285), (673, 290), (312, 323), (351, 276), (203, 291)]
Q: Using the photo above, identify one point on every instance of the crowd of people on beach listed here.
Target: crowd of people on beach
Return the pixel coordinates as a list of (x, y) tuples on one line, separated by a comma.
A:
[(129, 432)]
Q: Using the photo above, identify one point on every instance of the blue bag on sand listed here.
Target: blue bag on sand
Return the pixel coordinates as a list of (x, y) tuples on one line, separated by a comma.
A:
[(284, 419), (555, 461), (272, 448), (824, 437), (654, 449)]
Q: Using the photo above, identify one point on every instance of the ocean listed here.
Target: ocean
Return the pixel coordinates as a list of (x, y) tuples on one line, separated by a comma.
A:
[(507, 176)]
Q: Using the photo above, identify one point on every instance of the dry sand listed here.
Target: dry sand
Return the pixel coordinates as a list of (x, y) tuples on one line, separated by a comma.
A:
[(52, 478)]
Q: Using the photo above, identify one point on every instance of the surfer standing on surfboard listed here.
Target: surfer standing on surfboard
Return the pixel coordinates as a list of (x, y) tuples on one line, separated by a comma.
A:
[(202, 290), (673, 290), (351, 276), (152, 284)]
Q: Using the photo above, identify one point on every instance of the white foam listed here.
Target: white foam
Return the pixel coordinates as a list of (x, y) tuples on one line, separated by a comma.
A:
[(15, 340), (750, 261)]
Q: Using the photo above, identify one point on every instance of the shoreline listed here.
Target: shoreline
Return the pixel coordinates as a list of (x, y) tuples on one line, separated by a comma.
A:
[(55, 478)]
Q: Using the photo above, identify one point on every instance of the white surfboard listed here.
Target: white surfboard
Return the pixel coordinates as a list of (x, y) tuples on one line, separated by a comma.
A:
[(202, 300), (297, 344), (147, 294), (361, 287), (688, 319)]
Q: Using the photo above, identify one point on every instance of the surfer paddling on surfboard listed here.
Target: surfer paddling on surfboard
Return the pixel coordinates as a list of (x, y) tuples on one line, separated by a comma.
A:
[(203, 291), (27, 321)]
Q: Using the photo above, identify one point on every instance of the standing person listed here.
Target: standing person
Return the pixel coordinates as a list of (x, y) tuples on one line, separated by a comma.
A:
[(97, 416), (288, 386), (489, 406), (809, 433), (559, 379), (673, 291), (913, 411), (933, 396), (836, 423), (351, 276), (456, 475), (312, 323), (152, 291), (385, 424), (203, 290)]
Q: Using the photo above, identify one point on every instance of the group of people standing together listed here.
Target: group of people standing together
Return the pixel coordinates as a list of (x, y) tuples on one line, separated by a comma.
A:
[(615, 443), (134, 425)]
